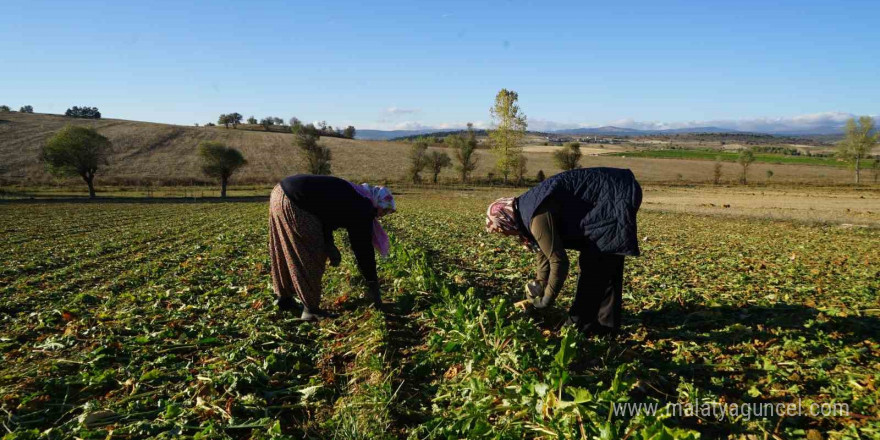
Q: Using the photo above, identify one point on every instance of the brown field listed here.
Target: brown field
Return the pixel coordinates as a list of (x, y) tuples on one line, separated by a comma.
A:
[(165, 154), (849, 207)]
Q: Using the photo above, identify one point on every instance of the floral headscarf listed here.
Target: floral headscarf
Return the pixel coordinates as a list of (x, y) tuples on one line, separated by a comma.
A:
[(381, 198), (501, 218)]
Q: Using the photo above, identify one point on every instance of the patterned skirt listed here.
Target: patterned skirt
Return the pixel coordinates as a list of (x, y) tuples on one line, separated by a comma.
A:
[(296, 248)]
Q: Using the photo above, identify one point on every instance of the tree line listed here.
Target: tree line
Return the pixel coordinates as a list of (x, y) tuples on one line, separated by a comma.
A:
[(81, 151), (295, 125), (75, 112)]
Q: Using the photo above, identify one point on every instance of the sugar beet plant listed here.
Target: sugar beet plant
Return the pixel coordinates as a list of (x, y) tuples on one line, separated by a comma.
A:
[(156, 321)]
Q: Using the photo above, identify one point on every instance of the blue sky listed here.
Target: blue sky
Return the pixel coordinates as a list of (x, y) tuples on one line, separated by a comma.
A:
[(414, 64)]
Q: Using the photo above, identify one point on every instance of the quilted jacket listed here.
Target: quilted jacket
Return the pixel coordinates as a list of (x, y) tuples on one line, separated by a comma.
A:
[(598, 209)]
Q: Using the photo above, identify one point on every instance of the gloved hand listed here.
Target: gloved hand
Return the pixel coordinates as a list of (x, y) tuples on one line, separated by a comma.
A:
[(542, 302), (334, 256), (534, 289)]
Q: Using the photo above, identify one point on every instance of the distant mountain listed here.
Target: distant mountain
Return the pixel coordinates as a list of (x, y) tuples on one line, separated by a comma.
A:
[(607, 130), (699, 130), (622, 131), (812, 131), (611, 130)]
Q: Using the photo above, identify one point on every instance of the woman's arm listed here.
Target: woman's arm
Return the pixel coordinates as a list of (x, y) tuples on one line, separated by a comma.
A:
[(555, 260), (330, 247), (361, 238)]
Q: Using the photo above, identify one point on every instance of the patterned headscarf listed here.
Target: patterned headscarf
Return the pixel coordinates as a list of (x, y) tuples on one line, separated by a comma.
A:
[(500, 217), (381, 198)]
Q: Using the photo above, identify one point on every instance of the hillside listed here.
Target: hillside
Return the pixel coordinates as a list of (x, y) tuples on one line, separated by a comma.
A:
[(159, 154), (167, 153)]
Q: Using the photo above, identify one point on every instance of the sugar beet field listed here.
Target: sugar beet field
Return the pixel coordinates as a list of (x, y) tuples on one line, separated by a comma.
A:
[(156, 320)]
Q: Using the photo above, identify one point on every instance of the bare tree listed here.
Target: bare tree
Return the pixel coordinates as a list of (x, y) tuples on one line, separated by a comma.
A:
[(746, 157)]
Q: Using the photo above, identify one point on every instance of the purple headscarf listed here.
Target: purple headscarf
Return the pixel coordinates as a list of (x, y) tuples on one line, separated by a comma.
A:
[(381, 198)]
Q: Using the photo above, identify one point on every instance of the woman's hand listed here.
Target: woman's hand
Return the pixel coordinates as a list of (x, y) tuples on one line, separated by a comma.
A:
[(523, 305)]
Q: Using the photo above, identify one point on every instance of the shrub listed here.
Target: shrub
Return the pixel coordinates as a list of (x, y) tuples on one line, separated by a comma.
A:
[(569, 157), (315, 158)]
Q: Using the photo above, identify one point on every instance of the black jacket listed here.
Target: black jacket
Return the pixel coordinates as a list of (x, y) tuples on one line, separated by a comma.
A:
[(598, 209), (337, 205)]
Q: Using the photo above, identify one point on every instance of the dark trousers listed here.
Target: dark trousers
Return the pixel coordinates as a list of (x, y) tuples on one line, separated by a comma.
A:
[(597, 303)]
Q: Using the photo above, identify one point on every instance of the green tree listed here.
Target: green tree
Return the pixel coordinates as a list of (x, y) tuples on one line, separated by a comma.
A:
[(859, 139), (465, 148), (315, 158), (540, 177), (436, 162), (76, 151), (4, 109), (83, 112), (234, 119), (510, 128), (418, 159), (224, 119), (252, 120), (520, 168), (349, 132), (267, 122), (296, 126), (569, 157), (220, 161), (745, 159), (876, 168), (26, 109)]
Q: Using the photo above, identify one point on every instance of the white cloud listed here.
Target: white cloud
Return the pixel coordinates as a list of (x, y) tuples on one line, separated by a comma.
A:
[(397, 111), (536, 124), (415, 125), (783, 124)]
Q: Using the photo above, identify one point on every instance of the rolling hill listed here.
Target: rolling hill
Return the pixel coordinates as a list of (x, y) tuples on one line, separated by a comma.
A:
[(146, 153)]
